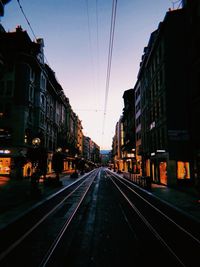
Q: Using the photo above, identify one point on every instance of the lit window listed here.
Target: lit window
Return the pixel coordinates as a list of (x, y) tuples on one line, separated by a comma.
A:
[(183, 170)]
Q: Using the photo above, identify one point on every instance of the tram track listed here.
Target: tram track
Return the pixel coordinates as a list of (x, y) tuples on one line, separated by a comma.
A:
[(159, 227), (103, 219), (50, 221)]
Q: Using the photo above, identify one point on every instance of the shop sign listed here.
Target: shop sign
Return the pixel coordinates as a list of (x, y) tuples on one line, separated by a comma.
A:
[(5, 151)]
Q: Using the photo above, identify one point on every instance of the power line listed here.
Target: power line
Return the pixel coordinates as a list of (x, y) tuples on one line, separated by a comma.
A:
[(112, 31), (97, 40), (179, 2), (89, 28), (29, 24), (26, 18), (42, 67), (91, 51)]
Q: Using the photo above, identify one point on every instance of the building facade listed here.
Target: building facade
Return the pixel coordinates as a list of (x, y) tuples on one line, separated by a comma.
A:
[(117, 144), (166, 102), (163, 75), (128, 120), (193, 18), (33, 109)]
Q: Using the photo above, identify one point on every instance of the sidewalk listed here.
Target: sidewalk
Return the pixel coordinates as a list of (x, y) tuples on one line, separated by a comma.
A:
[(15, 197), (185, 199)]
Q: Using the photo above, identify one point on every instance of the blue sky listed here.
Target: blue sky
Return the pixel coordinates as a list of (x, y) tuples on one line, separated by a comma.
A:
[(76, 48)]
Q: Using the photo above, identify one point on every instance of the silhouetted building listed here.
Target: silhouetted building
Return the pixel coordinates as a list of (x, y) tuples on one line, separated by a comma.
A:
[(163, 84), (129, 121), (19, 82), (193, 18), (117, 144), (33, 105)]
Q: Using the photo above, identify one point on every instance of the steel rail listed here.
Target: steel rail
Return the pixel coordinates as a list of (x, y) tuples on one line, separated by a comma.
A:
[(54, 245), (148, 224), (158, 210), (36, 225)]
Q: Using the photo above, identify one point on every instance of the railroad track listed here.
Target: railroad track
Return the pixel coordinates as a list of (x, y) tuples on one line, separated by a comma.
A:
[(85, 224), (165, 233), (32, 239)]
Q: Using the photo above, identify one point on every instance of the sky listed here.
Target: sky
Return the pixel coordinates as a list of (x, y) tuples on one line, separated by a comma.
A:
[(76, 37)]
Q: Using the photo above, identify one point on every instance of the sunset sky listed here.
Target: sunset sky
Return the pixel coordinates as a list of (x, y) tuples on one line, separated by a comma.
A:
[(76, 38)]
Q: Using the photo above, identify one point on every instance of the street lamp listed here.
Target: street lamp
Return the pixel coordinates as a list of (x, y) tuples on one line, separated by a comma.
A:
[(75, 173), (76, 157), (35, 162), (57, 163), (36, 141)]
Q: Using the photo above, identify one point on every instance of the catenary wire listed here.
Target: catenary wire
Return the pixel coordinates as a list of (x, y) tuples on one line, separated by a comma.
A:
[(110, 51), (29, 24), (89, 30), (39, 64), (22, 10), (91, 47)]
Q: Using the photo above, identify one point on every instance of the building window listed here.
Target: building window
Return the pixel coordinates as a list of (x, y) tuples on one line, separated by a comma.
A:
[(138, 121), (42, 100), (163, 172), (5, 165), (32, 75), (43, 82), (138, 106), (183, 170), (31, 93)]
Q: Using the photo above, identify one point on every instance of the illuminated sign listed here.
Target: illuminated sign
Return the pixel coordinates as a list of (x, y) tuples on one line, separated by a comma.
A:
[(130, 155), (6, 151)]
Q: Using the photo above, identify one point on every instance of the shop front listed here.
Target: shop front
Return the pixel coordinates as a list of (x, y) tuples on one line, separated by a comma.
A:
[(5, 162), (158, 167)]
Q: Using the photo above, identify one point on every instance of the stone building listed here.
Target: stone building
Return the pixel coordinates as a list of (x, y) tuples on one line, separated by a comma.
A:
[(33, 106)]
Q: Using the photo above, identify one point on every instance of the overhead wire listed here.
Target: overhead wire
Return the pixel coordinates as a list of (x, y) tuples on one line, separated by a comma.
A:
[(94, 47), (29, 24), (109, 63), (89, 30), (98, 50), (39, 64), (90, 44), (97, 40), (179, 2), (110, 50)]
